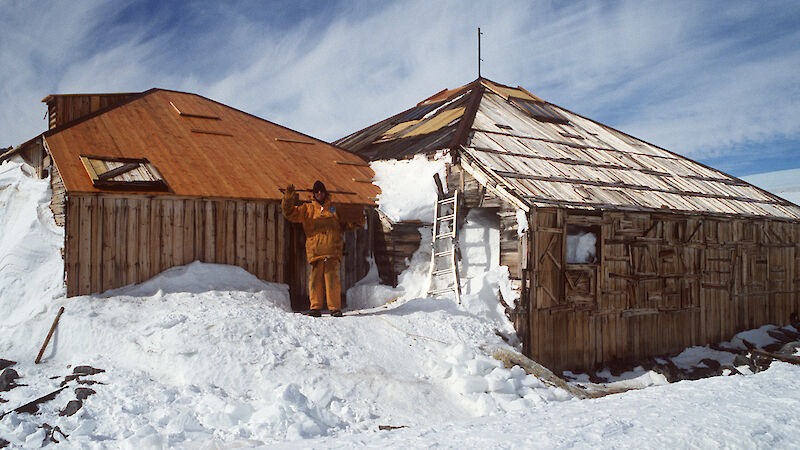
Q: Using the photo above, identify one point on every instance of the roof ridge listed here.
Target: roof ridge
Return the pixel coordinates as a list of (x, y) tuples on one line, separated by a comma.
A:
[(468, 118)]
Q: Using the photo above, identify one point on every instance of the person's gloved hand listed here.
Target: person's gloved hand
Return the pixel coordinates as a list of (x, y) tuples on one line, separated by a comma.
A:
[(291, 195)]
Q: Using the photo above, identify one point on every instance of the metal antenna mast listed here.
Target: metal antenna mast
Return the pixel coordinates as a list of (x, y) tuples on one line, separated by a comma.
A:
[(479, 52)]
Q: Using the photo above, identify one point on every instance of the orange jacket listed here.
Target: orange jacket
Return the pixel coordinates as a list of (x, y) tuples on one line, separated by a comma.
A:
[(322, 225)]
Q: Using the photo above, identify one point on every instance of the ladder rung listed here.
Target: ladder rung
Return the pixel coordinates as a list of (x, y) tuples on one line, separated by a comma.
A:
[(443, 290), (449, 234), (444, 253), (441, 271), (446, 201), (444, 218)]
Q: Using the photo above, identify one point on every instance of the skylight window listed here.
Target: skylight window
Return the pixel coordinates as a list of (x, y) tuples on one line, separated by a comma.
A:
[(123, 173), (540, 111)]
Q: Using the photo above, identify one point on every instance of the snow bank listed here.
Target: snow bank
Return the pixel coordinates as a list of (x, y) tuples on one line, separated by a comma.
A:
[(31, 268), (408, 191)]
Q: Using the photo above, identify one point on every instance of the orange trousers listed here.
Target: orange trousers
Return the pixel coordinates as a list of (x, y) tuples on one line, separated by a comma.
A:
[(324, 282)]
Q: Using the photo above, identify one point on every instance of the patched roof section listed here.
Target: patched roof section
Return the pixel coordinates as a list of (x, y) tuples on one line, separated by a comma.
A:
[(199, 148), (536, 154)]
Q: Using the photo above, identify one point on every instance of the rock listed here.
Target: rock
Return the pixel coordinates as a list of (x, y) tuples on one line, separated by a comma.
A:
[(86, 370), (734, 370), (789, 349), (72, 407), (795, 336), (5, 363), (779, 336), (4, 443), (83, 393), (710, 363), (774, 347), (743, 360), (7, 378), (50, 432)]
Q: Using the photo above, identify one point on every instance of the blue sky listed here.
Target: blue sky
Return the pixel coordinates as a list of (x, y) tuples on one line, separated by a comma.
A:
[(718, 82)]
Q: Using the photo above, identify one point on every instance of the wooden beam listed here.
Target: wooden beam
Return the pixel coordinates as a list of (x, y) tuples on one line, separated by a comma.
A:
[(118, 171), (351, 163), (216, 133), (294, 141), (197, 116)]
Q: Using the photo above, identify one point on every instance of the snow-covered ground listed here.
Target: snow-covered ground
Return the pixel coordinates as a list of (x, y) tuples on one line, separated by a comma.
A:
[(208, 356)]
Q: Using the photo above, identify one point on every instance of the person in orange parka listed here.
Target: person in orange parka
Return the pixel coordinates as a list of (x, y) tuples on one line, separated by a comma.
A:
[(324, 244)]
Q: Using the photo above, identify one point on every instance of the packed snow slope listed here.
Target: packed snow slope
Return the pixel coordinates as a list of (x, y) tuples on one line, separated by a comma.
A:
[(208, 356)]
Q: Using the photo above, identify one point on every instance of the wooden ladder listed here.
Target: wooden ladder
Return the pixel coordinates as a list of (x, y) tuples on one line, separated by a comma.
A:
[(443, 247)]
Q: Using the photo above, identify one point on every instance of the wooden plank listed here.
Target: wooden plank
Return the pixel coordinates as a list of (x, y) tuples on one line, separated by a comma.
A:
[(120, 244), (576, 340), (230, 232), (210, 232), (294, 141), (85, 249), (189, 229), (281, 233), (351, 163), (241, 239), (132, 241), (97, 245), (71, 247), (109, 235), (215, 133), (220, 232), (261, 240), (145, 262), (156, 236), (199, 229), (177, 233), (167, 235), (250, 237)]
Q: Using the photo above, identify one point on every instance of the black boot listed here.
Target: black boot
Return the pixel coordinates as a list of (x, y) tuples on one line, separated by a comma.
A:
[(313, 313), (336, 313)]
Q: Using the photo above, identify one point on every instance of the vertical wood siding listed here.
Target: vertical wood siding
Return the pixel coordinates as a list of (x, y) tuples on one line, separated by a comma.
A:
[(663, 283), (115, 241)]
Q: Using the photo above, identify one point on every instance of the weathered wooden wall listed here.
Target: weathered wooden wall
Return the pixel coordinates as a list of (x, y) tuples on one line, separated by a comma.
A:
[(62, 109), (112, 241), (393, 245), (58, 201), (663, 282)]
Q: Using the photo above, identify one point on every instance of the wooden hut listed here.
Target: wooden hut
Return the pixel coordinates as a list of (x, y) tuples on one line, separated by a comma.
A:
[(683, 254), (146, 181)]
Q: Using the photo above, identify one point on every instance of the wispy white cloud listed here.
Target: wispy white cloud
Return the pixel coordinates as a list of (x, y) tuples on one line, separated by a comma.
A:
[(689, 76)]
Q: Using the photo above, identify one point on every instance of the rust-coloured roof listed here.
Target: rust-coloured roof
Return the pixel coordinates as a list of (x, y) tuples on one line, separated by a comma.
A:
[(536, 154), (203, 148)]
